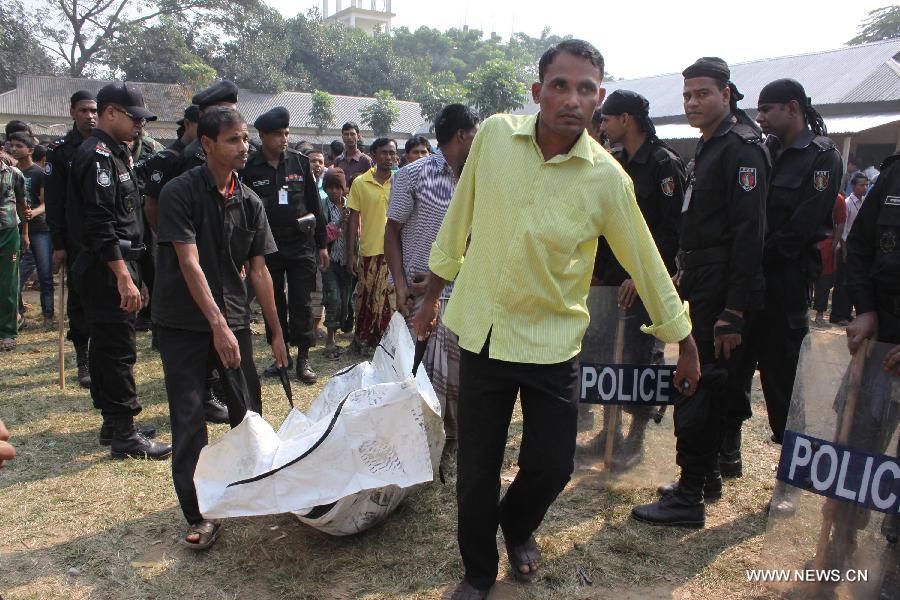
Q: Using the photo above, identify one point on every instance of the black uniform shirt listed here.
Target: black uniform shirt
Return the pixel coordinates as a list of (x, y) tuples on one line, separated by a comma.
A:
[(104, 202), (166, 165), (725, 208), (294, 173), (658, 176), (227, 231), (56, 171), (805, 180), (873, 250)]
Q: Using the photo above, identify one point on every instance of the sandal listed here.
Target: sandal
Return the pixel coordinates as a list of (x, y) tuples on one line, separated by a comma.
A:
[(7, 344), (522, 556), (466, 591), (208, 532), (333, 352)]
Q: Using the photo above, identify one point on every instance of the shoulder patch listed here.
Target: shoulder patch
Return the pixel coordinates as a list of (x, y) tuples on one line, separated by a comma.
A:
[(823, 142), (48, 168), (102, 149), (747, 178), (156, 176), (892, 201), (667, 186), (820, 180)]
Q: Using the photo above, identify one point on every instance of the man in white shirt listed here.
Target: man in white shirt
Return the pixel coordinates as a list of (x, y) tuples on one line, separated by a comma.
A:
[(840, 302), (859, 184)]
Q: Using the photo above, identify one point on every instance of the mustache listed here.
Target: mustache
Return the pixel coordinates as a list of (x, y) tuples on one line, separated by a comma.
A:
[(569, 113)]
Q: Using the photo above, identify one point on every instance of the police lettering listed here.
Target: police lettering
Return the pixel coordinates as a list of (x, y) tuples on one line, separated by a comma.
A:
[(627, 384)]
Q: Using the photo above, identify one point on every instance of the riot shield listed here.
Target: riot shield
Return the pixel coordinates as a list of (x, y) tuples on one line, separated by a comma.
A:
[(625, 432), (833, 522)]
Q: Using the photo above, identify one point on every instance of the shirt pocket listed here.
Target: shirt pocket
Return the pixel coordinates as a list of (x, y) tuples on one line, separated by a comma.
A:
[(783, 192), (239, 243), (557, 233)]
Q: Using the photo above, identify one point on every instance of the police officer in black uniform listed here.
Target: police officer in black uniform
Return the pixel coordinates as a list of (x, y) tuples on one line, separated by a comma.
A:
[(721, 240), (283, 179), (83, 108), (806, 175), (169, 164), (187, 128), (105, 217), (873, 283), (659, 177)]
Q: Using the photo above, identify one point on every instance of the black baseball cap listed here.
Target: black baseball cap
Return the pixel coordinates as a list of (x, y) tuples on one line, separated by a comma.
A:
[(126, 95), (191, 113)]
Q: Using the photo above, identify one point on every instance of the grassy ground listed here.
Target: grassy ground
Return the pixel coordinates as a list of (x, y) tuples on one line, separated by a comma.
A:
[(76, 524)]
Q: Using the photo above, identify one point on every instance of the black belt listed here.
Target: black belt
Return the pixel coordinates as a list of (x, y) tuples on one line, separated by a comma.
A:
[(691, 259), (291, 231)]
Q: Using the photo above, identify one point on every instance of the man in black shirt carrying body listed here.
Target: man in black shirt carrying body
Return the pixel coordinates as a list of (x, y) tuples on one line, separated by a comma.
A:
[(283, 179), (721, 240), (210, 225), (83, 108), (658, 176), (103, 211)]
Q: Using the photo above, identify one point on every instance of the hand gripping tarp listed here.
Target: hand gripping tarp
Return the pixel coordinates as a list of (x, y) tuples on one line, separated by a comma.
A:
[(371, 436), (625, 388), (833, 523)]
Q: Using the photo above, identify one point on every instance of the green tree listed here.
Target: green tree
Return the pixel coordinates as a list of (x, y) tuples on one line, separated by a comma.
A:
[(20, 53), (381, 114), (164, 40), (437, 92), (881, 24), (495, 87), (321, 113)]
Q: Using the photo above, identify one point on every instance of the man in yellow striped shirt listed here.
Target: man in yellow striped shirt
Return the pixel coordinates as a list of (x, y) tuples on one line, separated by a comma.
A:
[(535, 195)]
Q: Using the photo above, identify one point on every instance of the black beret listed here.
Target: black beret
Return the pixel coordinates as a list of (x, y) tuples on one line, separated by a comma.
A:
[(221, 91), (81, 95), (274, 118), (191, 113), (625, 101), (709, 66), (782, 91)]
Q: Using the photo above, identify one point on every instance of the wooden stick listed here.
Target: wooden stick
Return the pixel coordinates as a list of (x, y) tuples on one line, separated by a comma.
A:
[(613, 413), (857, 364), (62, 328)]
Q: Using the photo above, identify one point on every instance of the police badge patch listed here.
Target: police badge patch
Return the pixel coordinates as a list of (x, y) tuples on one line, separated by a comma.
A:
[(156, 177), (888, 241), (48, 169), (668, 186), (104, 177), (820, 180), (747, 178)]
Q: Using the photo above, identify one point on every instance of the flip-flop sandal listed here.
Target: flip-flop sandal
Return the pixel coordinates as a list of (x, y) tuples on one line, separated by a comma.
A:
[(524, 555), (208, 532)]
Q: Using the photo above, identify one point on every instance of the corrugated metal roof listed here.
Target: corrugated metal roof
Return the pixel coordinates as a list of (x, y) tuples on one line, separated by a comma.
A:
[(854, 74), (49, 97)]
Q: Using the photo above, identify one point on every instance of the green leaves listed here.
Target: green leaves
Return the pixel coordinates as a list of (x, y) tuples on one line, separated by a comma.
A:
[(321, 114), (496, 87), (381, 114), (882, 24)]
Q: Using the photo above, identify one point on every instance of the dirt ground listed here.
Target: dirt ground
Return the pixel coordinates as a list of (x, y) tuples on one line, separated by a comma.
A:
[(76, 524)]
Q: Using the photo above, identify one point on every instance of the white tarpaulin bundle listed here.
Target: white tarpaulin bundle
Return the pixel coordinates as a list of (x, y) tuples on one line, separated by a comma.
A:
[(372, 434)]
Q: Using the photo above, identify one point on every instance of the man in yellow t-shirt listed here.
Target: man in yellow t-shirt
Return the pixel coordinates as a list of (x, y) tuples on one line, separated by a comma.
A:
[(535, 195), (368, 204)]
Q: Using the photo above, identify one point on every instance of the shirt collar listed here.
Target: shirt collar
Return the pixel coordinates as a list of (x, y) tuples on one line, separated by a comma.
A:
[(117, 148), (210, 181), (581, 149), (643, 153)]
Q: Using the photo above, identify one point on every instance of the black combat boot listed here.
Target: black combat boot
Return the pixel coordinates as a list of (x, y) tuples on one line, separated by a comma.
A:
[(730, 453), (107, 431), (84, 372), (712, 487), (128, 442), (214, 411), (304, 371), (683, 508)]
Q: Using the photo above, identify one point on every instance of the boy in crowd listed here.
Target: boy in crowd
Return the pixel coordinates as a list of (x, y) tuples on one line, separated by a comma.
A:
[(337, 281)]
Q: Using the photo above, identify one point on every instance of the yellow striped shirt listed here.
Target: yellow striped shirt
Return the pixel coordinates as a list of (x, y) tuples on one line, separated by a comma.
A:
[(534, 226)]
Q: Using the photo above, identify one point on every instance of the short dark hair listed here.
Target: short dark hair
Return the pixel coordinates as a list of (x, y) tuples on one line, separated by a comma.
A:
[(350, 125), (22, 137), (597, 117), (451, 119), (315, 151), (858, 177), (337, 147), (416, 140), (17, 125), (216, 118), (378, 143), (40, 153), (574, 47)]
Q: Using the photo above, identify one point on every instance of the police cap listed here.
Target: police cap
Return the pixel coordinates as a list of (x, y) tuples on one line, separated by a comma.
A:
[(191, 113), (221, 91), (126, 95), (625, 101), (275, 118)]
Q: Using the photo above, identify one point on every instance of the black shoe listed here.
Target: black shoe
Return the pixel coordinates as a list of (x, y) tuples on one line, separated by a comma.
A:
[(84, 372), (730, 464), (107, 430), (272, 370), (213, 409), (128, 442), (672, 511), (712, 488), (304, 371), (466, 591)]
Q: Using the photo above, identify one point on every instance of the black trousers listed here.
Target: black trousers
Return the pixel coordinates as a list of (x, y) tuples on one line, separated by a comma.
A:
[(824, 286), (185, 355), (487, 395), (295, 311), (705, 288), (840, 299), (111, 357), (79, 331)]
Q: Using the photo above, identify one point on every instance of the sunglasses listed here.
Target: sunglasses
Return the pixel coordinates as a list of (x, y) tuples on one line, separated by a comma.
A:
[(136, 120)]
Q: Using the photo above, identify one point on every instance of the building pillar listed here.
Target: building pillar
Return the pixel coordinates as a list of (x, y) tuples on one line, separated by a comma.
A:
[(845, 150)]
